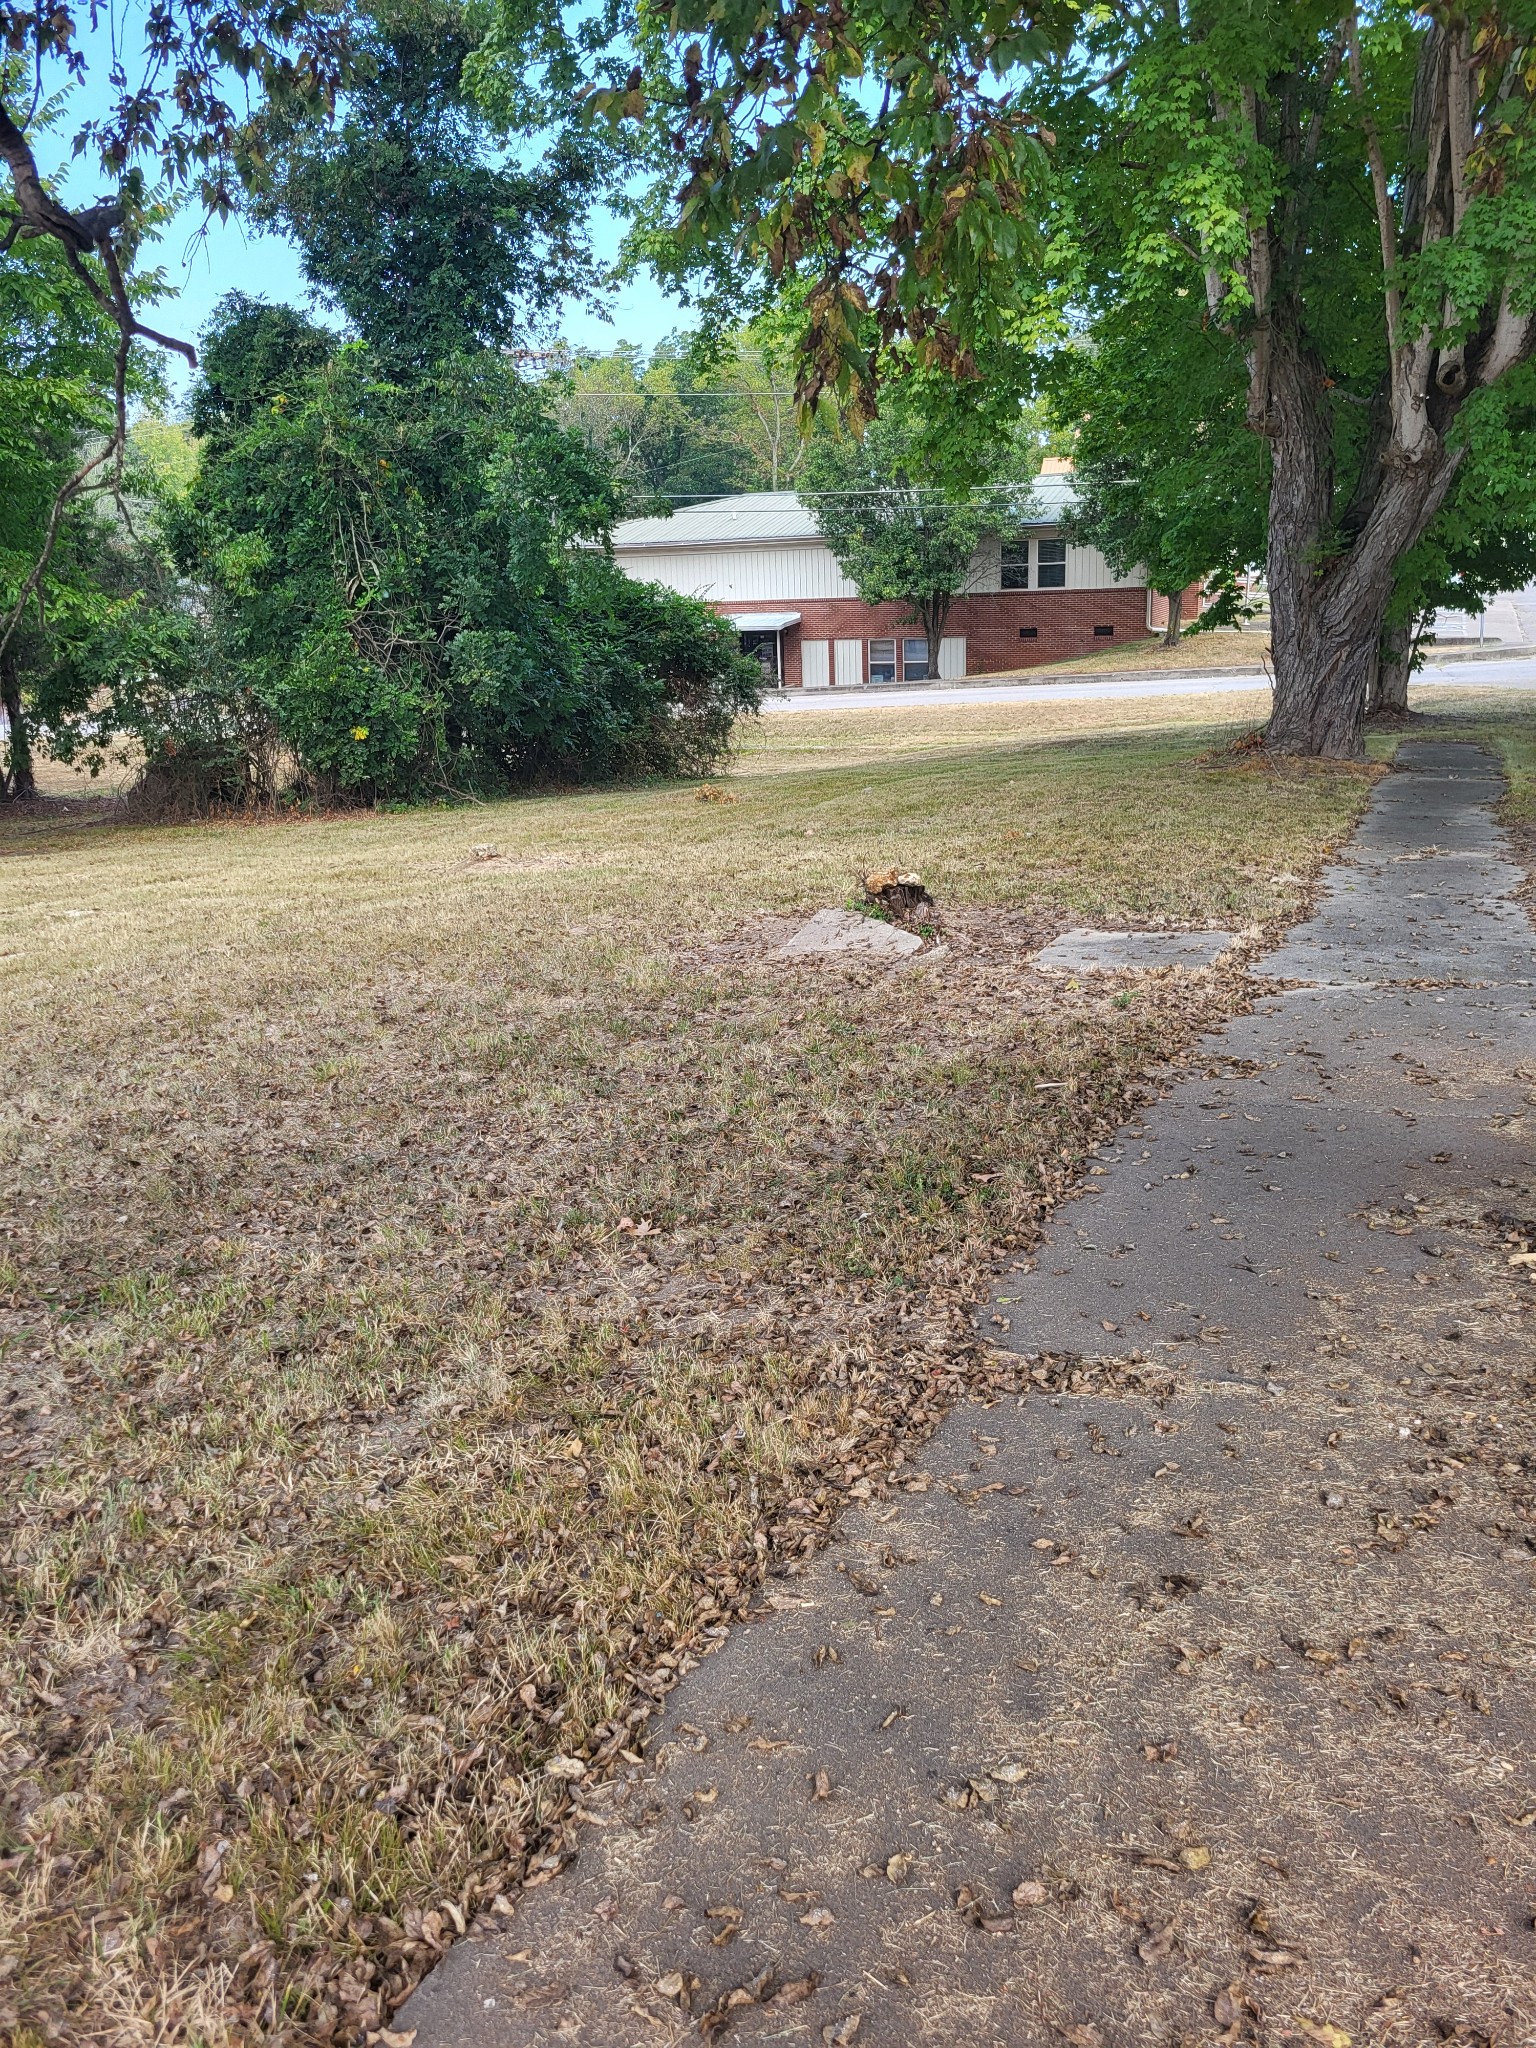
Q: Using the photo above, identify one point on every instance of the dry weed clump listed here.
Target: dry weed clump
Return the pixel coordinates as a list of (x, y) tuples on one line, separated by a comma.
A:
[(437, 1293)]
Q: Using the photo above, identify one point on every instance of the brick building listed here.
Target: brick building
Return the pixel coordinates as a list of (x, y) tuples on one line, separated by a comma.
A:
[(761, 561)]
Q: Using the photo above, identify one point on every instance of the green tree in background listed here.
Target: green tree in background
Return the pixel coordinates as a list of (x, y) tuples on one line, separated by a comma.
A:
[(1348, 192), (398, 576), (161, 127), (899, 534), (411, 221), (57, 362), (688, 422), (667, 438), (403, 548), (1168, 478)]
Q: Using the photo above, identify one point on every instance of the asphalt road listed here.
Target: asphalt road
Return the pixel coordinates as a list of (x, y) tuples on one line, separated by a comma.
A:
[(1517, 673)]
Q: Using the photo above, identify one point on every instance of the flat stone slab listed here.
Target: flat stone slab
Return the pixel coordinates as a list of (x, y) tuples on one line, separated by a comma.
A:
[(1116, 952), (845, 931)]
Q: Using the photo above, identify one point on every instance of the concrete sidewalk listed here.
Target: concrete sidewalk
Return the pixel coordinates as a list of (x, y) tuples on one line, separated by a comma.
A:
[(1188, 1697)]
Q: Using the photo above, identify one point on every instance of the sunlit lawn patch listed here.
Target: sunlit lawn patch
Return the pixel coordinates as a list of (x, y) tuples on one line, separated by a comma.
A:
[(440, 1285)]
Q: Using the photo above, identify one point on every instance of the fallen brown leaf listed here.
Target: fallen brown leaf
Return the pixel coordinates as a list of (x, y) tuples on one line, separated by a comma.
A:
[(1158, 1944), (795, 1992)]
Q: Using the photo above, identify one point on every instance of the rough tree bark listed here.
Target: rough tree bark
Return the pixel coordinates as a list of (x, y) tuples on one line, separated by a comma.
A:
[(1394, 663), (16, 777), (1175, 617), (1331, 565), (1328, 609)]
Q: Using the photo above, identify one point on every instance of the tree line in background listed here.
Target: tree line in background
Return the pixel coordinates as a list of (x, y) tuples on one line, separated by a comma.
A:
[(1270, 266), (677, 427)]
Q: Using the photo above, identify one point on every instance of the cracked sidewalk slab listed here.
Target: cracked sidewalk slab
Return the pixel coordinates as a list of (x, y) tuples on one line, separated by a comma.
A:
[(1188, 1696), (1093, 952)]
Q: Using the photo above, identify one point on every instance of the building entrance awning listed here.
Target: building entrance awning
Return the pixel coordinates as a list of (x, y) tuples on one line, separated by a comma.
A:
[(763, 622)]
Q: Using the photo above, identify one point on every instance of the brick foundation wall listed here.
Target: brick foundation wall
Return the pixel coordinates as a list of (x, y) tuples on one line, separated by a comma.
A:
[(1189, 611), (1064, 621)]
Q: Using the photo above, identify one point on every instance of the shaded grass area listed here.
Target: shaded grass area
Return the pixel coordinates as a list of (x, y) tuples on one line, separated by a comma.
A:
[(447, 1265)]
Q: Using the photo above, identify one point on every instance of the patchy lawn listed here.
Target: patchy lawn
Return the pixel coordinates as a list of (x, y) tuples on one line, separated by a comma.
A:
[(438, 1284)]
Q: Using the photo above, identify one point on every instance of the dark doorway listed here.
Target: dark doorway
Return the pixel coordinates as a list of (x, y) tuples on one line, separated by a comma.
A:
[(764, 649)]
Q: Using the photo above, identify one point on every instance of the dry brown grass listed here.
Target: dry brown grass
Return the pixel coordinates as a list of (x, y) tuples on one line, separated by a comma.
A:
[(435, 1289), (1219, 651), (869, 730)]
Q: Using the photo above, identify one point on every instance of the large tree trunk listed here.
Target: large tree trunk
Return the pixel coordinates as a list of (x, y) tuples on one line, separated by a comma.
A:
[(1321, 662), (1324, 659), (17, 779), (1393, 664), (933, 615), (1175, 617), (1330, 584)]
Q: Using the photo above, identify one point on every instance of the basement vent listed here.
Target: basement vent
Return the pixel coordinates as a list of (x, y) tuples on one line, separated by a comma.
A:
[(1103, 632), (1029, 632)]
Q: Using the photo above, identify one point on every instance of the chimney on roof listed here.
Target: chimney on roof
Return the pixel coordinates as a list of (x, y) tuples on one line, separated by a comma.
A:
[(1056, 465)]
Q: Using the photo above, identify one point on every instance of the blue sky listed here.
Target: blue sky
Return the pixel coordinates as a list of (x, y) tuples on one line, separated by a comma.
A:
[(204, 260), (202, 263)]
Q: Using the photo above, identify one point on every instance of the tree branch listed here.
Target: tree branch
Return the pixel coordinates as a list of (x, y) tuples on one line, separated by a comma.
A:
[(37, 211), (1386, 218), (1331, 68), (1510, 342), (79, 234)]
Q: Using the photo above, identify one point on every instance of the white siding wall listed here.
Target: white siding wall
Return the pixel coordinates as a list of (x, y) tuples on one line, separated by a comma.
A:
[(816, 664), (987, 565), (849, 656), (951, 659), (1086, 569), (745, 575), (765, 574)]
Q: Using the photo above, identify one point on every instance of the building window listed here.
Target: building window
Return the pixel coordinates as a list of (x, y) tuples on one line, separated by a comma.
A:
[(1103, 632), (1052, 563), (1016, 566), (882, 661), (914, 661), (1029, 632)]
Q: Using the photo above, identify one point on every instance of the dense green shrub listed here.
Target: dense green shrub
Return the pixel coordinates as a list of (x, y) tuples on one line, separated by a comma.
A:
[(409, 574)]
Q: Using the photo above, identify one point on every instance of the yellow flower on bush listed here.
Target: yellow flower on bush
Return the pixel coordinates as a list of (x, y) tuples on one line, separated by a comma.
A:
[(359, 732)]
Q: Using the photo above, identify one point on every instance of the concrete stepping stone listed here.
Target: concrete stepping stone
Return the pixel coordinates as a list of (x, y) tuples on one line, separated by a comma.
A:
[(845, 931), (1091, 952)]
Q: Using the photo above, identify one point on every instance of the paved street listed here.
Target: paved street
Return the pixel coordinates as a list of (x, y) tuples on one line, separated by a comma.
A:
[(1517, 672)]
